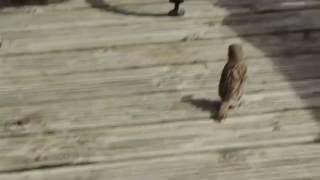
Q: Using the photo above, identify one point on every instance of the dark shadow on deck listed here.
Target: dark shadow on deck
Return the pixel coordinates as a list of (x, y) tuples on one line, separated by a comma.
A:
[(17, 3), (300, 22), (204, 104), (102, 5)]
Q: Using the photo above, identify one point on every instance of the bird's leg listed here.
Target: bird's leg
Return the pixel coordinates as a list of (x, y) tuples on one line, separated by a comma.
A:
[(176, 11), (223, 111), (236, 103), (241, 98)]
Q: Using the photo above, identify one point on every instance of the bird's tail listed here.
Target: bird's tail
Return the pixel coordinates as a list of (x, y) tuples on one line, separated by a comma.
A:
[(223, 111)]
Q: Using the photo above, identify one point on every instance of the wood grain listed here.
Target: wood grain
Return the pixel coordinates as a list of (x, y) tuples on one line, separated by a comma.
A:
[(93, 92)]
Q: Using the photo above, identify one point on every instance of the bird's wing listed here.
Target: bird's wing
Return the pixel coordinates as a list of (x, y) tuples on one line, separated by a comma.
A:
[(223, 79), (230, 82)]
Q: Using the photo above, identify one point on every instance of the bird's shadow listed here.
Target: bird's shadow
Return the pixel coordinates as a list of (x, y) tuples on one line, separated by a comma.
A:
[(204, 104), (102, 5)]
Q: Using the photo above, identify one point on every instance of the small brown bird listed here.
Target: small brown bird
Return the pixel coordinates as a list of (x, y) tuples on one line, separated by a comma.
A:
[(232, 80)]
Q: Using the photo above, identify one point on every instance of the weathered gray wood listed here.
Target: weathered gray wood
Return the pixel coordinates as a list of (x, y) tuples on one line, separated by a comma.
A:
[(197, 8), (116, 144), (37, 89), (141, 56), (89, 94), (153, 108), (292, 162), (143, 6), (106, 36)]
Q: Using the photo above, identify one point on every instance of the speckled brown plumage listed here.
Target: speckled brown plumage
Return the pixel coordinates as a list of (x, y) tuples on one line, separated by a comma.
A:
[(232, 80)]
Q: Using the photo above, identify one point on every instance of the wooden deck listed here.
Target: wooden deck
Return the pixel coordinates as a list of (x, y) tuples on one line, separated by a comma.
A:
[(117, 91)]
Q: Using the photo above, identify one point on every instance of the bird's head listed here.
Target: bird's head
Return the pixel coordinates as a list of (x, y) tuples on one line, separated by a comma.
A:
[(235, 52)]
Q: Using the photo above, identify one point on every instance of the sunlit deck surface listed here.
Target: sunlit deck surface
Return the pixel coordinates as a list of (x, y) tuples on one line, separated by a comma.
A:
[(116, 90)]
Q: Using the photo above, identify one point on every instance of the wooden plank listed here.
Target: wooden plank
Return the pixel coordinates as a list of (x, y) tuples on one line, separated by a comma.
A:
[(84, 85), (137, 142), (90, 17), (140, 56), (182, 30), (46, 19), (6, 8), (237, 7), (152, 108), (291, 162), (88, 106)]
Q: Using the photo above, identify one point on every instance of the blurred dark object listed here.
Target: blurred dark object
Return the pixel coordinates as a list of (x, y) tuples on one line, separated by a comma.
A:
[(176, 11), (102, 5), (17, 3)]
